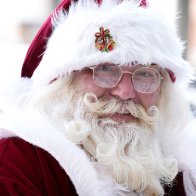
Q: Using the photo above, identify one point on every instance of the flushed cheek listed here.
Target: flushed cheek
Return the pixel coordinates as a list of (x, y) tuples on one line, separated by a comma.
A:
[(148, 100), (91, 87)]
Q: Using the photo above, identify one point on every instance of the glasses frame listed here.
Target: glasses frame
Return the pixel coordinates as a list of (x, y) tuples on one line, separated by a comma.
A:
[(132, 74)]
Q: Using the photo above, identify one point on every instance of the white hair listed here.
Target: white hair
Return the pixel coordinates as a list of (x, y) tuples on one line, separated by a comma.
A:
[(136, 154)]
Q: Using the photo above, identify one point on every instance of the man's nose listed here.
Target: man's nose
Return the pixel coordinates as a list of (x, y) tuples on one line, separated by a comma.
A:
[(124, 89)]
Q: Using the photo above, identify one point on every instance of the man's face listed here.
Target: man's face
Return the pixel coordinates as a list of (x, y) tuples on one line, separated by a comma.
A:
[(123, 91), (99, 119)]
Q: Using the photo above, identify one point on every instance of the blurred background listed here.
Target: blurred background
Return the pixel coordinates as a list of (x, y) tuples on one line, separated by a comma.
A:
[(21, 19)]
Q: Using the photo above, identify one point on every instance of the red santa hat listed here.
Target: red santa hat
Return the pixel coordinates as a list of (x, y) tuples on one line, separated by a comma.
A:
[(137, 30)]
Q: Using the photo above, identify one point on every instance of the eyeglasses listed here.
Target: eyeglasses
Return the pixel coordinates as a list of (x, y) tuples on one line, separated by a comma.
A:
[(145, 79)]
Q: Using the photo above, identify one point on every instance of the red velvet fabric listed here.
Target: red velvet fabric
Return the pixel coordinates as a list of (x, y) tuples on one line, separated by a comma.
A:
[(30, 171), (144, 3), (26, 170), (37, 47), (177, 189)]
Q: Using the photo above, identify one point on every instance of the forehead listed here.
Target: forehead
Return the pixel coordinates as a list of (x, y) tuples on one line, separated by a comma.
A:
[(131, 66)]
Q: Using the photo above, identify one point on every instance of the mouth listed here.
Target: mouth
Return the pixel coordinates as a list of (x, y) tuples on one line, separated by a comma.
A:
[(121, 117)]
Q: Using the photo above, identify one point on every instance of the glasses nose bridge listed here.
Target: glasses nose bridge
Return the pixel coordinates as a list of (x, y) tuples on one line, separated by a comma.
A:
[(122, 73), (126, 72)]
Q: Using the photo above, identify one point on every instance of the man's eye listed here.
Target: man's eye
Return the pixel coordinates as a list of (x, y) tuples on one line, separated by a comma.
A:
[(105, 68), (144, 74)]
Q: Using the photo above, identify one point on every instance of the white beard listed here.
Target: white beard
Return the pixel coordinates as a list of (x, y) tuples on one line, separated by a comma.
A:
[(130, 152)]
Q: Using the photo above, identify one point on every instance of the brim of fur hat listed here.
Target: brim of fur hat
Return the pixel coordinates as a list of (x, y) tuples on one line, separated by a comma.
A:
[(142, 35)]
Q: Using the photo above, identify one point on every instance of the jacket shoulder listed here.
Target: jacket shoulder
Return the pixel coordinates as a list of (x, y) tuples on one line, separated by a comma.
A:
[(26, 169)]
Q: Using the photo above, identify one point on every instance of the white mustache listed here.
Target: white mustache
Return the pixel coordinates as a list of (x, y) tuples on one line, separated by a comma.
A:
[(106, 107)]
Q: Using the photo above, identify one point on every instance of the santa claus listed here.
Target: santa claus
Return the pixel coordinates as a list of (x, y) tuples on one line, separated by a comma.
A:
[(101, 107)]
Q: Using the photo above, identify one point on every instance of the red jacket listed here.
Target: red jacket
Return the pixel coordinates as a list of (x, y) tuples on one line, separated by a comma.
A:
[(31, 171)]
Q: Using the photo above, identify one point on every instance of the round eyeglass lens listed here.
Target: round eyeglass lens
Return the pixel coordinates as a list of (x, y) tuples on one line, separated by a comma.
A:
[(146, 80), (107, 75)]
